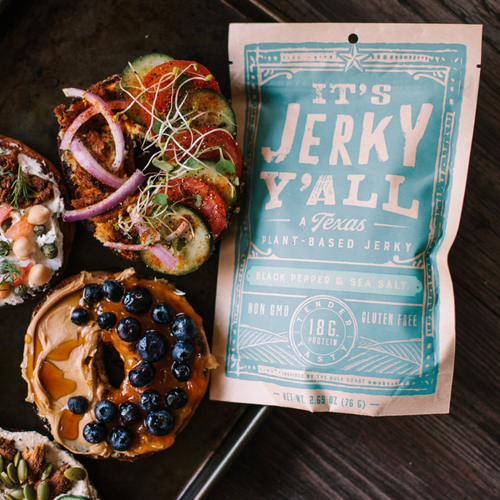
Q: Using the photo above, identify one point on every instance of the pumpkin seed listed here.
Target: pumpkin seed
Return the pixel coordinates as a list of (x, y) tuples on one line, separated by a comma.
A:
[(22, 470), (17, 494), (75, 473), (29, 492), (7, 497), (48, 470), (6, 480), (1, 463), (43, 491), (12, 472), (17, 457)]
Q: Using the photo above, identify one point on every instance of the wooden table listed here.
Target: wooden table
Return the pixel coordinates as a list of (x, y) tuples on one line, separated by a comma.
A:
[(314, 456), (297, 455)]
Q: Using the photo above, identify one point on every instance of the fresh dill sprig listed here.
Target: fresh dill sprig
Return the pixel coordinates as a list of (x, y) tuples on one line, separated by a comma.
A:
[(5, 248), (20, 187), (9, 271)]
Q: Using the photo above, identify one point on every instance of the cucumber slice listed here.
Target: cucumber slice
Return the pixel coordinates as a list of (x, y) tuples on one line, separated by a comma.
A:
[(206, 172), (129, 80), (217, 112), (196, 251)]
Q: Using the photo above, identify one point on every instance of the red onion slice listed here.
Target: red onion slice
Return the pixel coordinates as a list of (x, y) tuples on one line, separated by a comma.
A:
[(91, 165), (86, 115), (129, 187), (124, 246), (105, 110), (164, 255), (159, 250)]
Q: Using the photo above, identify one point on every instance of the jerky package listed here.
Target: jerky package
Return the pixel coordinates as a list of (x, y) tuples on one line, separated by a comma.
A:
[(334, 292)]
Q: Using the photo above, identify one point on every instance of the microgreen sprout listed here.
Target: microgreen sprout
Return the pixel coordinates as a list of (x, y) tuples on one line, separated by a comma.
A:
[(174, 157)]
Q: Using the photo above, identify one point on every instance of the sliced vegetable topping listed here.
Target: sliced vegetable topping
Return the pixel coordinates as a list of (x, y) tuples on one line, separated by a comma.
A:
[(91, 165), (191, 250), (105, 110), (128, 188), (163, 82), (206, 143), (86, 115), (132, 77), (202, 198)]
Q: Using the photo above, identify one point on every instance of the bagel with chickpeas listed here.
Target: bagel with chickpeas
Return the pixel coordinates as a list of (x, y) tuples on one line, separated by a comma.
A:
[(34, 240)]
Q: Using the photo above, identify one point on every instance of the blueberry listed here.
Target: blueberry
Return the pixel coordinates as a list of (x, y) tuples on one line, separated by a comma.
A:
[(92, 293), (106, 411), (181, 372), (129, 329), (78, 405), (129, 413), (106, 321), (152, 347), (94, 432), (150, 400), (162, 313), (160, 422), (176, 398), (184, 327), (112, 291), (141, 375), (182, 352), (120, 438), (80, 316), (137, 300)]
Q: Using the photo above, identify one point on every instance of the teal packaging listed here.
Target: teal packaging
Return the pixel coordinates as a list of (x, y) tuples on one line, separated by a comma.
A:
[(334, 292)]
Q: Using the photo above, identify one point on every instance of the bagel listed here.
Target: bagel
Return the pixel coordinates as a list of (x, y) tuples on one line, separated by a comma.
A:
[(185, 133), (34, 240), (42, 461), (164, 378)]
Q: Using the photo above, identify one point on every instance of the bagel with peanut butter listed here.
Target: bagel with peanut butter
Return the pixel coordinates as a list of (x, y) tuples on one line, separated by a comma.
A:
[(160, 341), (34, 240)]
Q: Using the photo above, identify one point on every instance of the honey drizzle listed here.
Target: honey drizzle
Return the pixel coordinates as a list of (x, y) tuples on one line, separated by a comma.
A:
[(69, 425), (54, 381), (63, 352)]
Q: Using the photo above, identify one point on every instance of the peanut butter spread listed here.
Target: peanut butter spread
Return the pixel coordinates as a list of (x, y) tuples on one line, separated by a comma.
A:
[(63, 360)]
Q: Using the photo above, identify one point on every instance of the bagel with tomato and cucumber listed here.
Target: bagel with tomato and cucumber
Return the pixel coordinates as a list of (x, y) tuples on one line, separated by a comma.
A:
[(34, 240), (171, 114)]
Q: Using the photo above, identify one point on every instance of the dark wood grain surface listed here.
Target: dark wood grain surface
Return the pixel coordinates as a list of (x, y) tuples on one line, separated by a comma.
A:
[(297, 455)]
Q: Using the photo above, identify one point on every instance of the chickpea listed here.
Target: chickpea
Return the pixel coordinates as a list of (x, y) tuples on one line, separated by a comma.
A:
[(4, 291), (23, 248), (39, 275), (38, 214)]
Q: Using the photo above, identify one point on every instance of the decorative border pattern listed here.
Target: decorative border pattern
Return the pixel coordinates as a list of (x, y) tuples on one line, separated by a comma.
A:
[(444, 64)]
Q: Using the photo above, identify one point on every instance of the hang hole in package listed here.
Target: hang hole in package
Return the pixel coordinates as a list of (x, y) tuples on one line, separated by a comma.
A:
[(334, 292)]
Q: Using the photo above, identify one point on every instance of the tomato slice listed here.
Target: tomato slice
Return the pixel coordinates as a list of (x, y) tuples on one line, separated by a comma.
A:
[(161, 83), (212, 207), (24, 272), (19, 230), (213, 138)]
